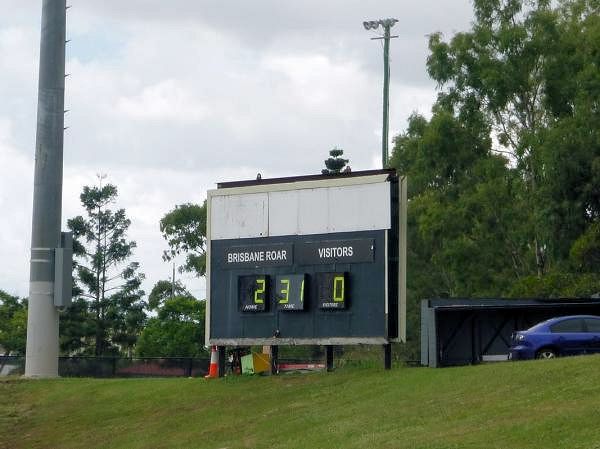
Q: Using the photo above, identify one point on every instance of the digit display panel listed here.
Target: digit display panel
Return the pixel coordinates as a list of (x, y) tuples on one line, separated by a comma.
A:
[(289, 291), (332, 290), (253, 293)]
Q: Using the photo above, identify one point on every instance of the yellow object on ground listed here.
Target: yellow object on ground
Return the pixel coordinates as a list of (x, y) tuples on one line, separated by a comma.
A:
[(262, 362)]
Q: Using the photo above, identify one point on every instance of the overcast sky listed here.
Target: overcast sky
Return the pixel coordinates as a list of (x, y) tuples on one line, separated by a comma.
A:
[(167, 98)]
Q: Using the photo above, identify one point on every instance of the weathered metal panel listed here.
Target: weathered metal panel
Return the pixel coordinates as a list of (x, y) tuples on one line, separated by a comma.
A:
[(283, 213), (300, 212), (240, 216), (359, 208)]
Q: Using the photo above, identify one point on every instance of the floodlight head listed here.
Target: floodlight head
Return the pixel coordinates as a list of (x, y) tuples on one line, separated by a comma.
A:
[(371, 24), (389, 22)]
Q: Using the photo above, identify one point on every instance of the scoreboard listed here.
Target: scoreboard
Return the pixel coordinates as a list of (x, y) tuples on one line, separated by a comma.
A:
[(307, 260)]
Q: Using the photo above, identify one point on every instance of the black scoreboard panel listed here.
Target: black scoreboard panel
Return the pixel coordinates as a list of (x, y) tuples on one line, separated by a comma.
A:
[(331, 290), (309, 287), (253, 293)]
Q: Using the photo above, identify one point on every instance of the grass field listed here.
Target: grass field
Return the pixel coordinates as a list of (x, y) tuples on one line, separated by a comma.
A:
[(542, 404)]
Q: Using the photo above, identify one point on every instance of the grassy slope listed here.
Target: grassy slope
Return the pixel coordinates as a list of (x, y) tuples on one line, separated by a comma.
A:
[(549, 404)]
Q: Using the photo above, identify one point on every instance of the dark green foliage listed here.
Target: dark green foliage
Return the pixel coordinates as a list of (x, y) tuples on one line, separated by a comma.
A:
[(178, 328), (531, 69), (184, 229), (77, 328), (164, 290), (585, 252), (523, 84), (335, 163), (13, 324), (108, 284)]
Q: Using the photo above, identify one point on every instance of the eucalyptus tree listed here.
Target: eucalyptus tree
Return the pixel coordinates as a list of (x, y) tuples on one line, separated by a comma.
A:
[(526, 65)]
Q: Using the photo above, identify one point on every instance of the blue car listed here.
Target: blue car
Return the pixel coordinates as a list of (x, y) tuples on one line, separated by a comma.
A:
[(567, 335)]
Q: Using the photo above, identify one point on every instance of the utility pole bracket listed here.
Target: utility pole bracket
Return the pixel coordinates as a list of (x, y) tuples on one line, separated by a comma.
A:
[(63, 271)]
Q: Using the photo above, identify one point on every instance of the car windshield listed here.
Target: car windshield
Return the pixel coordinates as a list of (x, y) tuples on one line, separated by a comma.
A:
[(538, 326)]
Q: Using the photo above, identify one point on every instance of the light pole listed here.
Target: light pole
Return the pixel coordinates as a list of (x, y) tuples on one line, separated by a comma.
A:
[(386, 24), (51, 250)]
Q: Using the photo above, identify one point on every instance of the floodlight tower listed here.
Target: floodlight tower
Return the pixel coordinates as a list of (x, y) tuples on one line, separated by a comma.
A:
[(50, 269), (386, 24)]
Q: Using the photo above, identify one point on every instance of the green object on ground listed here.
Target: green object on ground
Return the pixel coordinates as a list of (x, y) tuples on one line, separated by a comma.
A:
[(248, 364)]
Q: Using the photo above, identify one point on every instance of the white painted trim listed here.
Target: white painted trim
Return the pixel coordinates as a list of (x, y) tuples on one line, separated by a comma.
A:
[(402, 239), (207, 258)]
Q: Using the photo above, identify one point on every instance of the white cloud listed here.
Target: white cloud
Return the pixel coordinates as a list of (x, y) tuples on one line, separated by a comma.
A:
[(167, 100), (16, 193)]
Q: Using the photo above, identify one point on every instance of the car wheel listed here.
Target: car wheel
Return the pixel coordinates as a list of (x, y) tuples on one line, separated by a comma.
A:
[(546, 353)]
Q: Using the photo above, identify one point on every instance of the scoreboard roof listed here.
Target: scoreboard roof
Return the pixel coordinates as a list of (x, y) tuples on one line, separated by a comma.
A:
[(288, 179)]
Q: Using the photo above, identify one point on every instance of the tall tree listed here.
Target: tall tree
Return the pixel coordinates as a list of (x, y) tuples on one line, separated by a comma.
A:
[(109, 282), (184, 229), (335, 163)]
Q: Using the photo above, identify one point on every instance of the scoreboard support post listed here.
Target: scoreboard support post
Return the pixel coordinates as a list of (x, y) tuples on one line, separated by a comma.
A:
[(274, 359), (221, 352), (387, 355), (329, 357)]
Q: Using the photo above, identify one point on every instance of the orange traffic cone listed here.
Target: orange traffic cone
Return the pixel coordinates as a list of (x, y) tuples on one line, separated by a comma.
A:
[(213, 371)]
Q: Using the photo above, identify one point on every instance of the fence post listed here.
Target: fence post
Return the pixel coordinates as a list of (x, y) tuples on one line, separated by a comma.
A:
[(189, 368), (114, 367), (329, 358)]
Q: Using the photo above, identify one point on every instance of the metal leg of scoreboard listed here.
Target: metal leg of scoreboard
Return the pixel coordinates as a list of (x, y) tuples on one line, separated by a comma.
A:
[(387, 356), (221, 351), (274, 359), (329, 357)]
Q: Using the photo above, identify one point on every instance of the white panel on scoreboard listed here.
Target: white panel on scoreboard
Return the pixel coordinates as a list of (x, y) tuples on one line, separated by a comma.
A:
[(361, 207), (240, 216), (283, 213), (306, 211)]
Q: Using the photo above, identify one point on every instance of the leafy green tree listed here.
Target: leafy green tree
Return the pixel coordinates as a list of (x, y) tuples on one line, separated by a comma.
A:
[(524, 64), (178, 328), (465, 216), (184, 229), (335, 163), (13, 324), (109, 283), (164, 290)]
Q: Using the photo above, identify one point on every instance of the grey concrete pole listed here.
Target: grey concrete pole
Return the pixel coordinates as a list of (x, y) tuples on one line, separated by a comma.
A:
[(41, 358)]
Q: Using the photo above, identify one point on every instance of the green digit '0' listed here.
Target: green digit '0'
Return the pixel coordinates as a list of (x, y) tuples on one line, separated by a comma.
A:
[(259, 292), (285, 291), (338, 289)]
